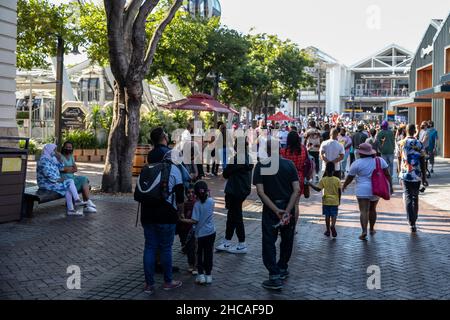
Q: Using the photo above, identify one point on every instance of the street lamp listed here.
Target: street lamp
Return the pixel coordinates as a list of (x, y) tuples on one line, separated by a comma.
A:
[(59, 88)]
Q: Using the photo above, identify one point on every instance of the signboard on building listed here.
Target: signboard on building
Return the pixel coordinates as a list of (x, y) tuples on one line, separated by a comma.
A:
[(73, 118)]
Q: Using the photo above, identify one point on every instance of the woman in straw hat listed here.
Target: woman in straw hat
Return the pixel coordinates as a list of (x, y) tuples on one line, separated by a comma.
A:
[(361, 170)]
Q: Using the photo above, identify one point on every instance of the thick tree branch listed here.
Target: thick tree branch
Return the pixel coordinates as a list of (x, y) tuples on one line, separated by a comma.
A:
[(157, 36), (131, 11), (138, 41), (117, 57)]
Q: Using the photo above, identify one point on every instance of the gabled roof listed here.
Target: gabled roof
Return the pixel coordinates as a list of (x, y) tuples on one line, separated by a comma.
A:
[(322, 55), (386, 50), (440, 27), (435, 23)]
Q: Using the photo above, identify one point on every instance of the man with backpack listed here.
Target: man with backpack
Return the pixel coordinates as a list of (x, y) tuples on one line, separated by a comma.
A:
[(160, 192), (386, 143), (412, 173)]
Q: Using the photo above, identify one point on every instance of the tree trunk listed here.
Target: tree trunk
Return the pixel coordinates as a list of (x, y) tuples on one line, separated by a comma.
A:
[(125, 132)]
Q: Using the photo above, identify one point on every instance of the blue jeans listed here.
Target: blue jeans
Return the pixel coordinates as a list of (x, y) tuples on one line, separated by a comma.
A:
[(269, 239), (389, 158), (158, 236)]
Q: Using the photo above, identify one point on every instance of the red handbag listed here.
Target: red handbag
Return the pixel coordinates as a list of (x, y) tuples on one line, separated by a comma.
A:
[(380, 184)]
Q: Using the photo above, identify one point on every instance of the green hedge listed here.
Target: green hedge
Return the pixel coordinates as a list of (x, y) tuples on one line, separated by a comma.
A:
[(81, 139), (169, 120), (22, 115)]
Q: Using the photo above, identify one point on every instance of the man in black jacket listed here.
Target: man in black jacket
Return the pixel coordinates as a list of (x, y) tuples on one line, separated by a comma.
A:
[(237, 189)]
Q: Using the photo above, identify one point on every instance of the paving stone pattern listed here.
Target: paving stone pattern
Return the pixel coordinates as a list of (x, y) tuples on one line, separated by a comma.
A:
[(35, 254)]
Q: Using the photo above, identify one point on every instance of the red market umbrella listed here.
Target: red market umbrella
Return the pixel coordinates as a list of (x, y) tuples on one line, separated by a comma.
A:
[(200, 102), (280, 116)]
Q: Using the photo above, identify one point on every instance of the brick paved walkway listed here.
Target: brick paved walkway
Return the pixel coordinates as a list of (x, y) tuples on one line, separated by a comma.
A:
[(34, 255)]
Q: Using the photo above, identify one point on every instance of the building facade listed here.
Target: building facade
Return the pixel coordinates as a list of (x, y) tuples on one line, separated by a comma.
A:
[(365, 90), (204, 8), (317, 98), (8, 42), (377, 81), (430, 81)]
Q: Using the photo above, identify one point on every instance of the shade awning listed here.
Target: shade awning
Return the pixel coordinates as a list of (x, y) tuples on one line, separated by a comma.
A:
[(280, 116), (411, 103), (200, 102), (441, 91)]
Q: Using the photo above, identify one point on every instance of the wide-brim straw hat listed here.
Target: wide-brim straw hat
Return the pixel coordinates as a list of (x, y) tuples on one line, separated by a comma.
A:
[(366, 149)]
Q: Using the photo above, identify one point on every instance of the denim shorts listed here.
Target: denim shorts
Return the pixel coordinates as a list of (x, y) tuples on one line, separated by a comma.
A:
[(330, 211)]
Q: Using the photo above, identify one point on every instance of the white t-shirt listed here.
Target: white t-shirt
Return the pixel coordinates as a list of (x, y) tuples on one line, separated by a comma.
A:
[(362, 170), (332, 150)]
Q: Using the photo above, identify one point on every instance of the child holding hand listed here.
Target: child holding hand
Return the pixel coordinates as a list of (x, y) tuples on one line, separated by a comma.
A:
[(331, 199)]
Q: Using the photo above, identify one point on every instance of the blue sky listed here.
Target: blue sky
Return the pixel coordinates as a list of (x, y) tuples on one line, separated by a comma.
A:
[(348, 30)]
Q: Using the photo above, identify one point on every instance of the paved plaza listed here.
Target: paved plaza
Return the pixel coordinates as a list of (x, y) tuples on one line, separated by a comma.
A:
[(107, 246)]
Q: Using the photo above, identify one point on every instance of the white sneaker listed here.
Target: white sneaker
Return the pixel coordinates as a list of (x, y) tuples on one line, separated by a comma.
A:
[(239, 248), (200, 279), (91, 204), (89, 209), (208, 279), (74, 213), (224, 246), (80, 203)]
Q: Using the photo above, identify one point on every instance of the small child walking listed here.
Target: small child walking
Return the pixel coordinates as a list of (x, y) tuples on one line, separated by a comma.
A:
[(331, 199), (186, 230), (205, 231)]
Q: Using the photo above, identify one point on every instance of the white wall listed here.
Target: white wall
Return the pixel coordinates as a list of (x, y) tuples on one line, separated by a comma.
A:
[(338, 82), (8, 34)]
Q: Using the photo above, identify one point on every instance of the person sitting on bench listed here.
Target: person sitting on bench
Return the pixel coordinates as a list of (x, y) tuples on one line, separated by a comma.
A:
[(49, 178), (81, 182)]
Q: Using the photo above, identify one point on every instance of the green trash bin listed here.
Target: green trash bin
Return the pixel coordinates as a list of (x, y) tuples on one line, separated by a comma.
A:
[(13, 171)]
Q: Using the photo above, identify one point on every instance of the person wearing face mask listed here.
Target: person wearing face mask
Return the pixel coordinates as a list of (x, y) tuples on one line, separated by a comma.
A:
[(68, 172), (49, 178)]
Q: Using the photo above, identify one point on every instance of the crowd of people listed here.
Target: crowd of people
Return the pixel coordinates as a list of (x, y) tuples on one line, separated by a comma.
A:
[(325, 156)]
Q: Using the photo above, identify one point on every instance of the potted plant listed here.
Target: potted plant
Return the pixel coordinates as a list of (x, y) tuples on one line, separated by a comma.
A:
[(89, 143)]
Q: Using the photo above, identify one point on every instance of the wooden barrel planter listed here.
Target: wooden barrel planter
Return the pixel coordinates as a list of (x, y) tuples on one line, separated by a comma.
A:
[(140, 158)]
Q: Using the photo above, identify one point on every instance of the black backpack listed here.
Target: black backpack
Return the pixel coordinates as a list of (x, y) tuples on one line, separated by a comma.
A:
[(152, 185)]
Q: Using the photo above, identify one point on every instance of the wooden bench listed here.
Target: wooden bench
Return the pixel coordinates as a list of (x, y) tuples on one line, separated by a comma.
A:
[(34, 194)]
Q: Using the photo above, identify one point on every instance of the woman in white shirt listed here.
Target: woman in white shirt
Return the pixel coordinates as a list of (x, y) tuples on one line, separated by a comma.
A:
[(362, 170)]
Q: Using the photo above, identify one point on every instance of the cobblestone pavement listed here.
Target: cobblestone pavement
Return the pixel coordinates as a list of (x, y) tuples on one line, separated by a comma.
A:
[(35, 254)]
